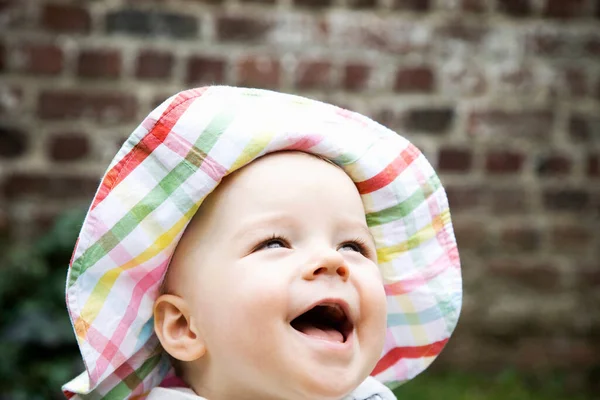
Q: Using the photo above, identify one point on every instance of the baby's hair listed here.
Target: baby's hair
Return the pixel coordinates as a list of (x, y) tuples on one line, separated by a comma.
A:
[(162, 289)]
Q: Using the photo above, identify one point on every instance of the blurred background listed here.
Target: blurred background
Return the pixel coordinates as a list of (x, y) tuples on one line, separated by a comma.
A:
[(503, 97)]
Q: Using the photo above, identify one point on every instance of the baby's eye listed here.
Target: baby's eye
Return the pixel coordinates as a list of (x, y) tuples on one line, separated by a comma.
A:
[(273, 243), (354, 246)]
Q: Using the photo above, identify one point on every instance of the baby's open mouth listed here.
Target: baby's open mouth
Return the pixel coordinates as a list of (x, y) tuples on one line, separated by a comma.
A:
[(324, 321)]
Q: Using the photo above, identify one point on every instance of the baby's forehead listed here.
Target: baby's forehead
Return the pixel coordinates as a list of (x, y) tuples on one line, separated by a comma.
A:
[(279, 181), (287, 168)]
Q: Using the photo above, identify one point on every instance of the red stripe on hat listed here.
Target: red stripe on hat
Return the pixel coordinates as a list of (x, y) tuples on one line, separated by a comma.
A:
[(305, 143), (391, 172), (147, 145), (397, 353)]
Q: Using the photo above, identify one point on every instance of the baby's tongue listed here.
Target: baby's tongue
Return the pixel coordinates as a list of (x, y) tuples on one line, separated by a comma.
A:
[(321, 332)]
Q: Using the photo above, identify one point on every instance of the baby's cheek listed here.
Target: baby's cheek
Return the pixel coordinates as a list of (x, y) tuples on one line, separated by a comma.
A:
[(260, 306), (374, 304), (256, 325)]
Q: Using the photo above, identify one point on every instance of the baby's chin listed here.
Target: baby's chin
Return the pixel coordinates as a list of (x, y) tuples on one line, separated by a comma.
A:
[(333, 386)]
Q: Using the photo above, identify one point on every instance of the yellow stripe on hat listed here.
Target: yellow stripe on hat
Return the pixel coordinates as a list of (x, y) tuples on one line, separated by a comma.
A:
[(256, 145), (96, 300), (386, 254)]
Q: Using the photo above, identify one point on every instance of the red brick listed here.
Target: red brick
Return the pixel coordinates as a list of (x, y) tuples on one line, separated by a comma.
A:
[(5, 226), (363, 4), (242, 28), (545, 354), (13, 142), (512, 200), (313, 3), (414, 79), (356, 76), (584, 128), (411, 5), (518, 77), (593, 166), (42, 221), (431, 120), (65, 18), (540, 276), (261, 72), (5, 5), (515, 8), (561, 43), (313, 75), (389, 118), (580, 353), (592, 45), (205, 70), (535, 125), (454, 160), (68, 147), (152, 22), (2, 57), (101, 63), (474, 6), (576, 82), (553, 164), (109, 107), (471, 235), (458, 29), (40, 59), (546, 44), (152, 64), (566, 199), (464, 197), (49, 187), (589, 278), (503, 162), (570, 237), (519, 239), (564, 8)]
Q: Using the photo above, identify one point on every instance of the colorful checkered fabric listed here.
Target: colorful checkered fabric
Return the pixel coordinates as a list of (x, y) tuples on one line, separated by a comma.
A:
[(178, 155)]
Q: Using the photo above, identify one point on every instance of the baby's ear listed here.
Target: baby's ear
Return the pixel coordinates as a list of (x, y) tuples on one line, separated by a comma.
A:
[(175, 328)]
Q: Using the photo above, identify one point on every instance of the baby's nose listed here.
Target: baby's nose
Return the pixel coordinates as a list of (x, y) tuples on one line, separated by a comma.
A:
[(331, 263)]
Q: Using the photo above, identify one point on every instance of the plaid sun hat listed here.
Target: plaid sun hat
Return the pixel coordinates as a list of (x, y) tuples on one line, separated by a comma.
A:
[(178, 155)]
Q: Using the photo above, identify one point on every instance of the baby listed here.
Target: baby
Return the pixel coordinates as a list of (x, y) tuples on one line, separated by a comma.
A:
[(276, 294), (310, 255)]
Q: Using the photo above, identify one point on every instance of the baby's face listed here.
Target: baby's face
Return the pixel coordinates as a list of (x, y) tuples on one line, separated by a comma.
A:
[(279, 272)]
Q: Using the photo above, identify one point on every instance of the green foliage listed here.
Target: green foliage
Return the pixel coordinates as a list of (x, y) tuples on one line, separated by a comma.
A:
[(463, 386), (37, 343)]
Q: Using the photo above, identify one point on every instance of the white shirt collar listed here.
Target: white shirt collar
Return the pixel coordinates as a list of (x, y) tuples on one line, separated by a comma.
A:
[(369, 388)]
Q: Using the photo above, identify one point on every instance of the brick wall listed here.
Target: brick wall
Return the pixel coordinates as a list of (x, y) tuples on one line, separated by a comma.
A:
[(503, 96)]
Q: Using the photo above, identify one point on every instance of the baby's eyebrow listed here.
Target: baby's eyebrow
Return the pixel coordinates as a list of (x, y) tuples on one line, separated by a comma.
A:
[(369, 233), (364, 229), (265, 222), (262, 223)]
